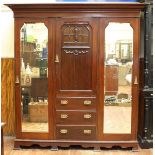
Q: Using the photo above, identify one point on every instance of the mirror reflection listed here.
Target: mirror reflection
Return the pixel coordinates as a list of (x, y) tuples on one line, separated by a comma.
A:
[(34, 77), (118, 78)]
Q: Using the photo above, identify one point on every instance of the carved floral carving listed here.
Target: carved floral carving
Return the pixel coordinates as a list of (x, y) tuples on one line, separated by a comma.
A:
[(75, 51)]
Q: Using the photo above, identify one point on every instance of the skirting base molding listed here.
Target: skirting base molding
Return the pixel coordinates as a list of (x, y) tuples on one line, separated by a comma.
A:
[(67, 143)]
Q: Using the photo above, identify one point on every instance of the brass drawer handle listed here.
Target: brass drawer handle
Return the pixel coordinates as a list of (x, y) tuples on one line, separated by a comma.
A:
[(87, 116), (64, 116), (87, 132), (63, 131), (64, 102), (87, 102)]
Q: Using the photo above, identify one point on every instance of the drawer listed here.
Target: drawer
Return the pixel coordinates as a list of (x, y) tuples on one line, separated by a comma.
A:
[(76, 103), (76, 132), (76, 117)]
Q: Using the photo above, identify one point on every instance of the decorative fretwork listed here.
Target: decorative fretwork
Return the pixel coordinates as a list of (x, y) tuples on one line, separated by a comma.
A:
[(76, 38), (76, 51), (76, 34)]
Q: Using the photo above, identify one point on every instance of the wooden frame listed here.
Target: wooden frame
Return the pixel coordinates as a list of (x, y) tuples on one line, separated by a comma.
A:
[(19, 133), (136, 35)]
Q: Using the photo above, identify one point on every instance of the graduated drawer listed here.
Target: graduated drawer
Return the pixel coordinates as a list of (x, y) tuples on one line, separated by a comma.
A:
[(76, 117), (76, 132), (76, 103)]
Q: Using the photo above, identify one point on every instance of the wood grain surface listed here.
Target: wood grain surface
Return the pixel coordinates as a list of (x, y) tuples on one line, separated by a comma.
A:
[(7, 95)]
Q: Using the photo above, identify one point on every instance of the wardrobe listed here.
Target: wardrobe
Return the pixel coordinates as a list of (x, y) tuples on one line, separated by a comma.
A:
[(77, 74)]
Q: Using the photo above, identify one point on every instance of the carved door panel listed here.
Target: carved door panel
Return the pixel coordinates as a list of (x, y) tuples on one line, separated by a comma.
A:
[(75, 58)]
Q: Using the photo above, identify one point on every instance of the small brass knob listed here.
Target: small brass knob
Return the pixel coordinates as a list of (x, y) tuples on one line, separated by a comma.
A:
[(63, 131)]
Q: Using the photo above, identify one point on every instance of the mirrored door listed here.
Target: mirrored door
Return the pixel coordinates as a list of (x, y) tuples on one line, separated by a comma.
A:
[(119, 78), (34, 77), (118, 62)]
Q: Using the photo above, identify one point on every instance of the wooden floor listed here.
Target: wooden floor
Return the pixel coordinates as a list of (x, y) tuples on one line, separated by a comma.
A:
[(8, 150)]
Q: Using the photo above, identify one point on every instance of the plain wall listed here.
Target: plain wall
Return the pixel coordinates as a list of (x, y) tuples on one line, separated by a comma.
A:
[(7, 32)]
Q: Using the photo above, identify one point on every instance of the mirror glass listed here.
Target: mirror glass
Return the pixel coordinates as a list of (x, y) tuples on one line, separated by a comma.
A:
[(118, 61), (34, 77)]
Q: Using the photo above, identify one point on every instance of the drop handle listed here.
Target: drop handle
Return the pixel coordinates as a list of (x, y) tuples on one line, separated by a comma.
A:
[(63, 131), (56, 59), (64, 102), (87, 116), (87, 102), (64, 116), (136, 80), (87, 132), (17, 79)]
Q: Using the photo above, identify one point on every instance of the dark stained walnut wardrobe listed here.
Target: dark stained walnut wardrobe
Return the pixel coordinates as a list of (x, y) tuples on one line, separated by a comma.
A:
[(77, 74)]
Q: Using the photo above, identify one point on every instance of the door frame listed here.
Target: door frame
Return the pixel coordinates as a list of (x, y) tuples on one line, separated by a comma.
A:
[(18, 122)]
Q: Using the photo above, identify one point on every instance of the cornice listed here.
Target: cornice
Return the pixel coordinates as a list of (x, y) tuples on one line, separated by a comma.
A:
[(74, 7)]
